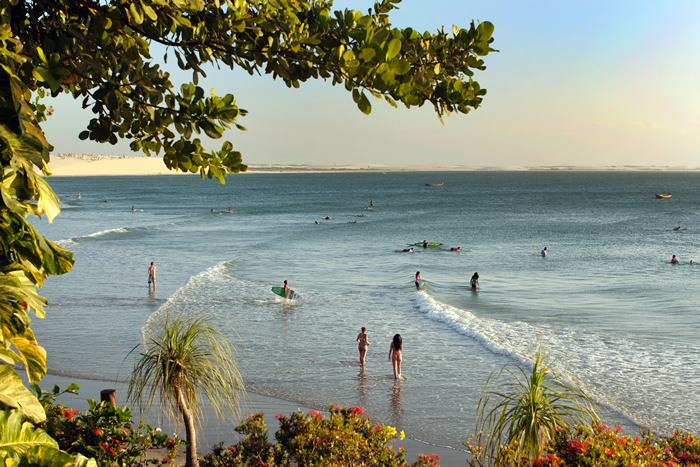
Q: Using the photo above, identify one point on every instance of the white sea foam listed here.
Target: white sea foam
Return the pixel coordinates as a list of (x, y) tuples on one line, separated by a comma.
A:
[(629, 377)]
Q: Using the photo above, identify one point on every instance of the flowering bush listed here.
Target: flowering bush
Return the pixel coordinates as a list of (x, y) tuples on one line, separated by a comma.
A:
[(346, 437), (104, 432), (599, 445)]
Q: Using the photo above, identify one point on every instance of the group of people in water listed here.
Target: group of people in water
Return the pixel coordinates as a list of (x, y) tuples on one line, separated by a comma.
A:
[(395, 350)]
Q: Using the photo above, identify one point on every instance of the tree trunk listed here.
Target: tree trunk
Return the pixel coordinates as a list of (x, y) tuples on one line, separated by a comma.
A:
[(191, 455)]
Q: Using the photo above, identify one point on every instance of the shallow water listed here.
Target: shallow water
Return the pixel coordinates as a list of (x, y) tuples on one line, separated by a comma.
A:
[(610, 310)]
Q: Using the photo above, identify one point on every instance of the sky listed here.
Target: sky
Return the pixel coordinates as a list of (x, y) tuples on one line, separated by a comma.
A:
[(594, 83)]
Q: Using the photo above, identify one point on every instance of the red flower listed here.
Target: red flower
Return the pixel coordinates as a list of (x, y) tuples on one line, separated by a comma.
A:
[(357, 410), (279, 416), (316, 414), (125, 431), (636, 440), (610, 452), (577, 447), (104, 446), (687, 440), (98, 432), (68, 414), (618, 428)]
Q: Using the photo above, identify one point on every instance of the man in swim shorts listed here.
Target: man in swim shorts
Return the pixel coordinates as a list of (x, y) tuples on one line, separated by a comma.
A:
[(152, 275)]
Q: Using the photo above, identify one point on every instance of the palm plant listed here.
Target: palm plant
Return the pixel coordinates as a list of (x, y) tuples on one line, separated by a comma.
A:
[(527, 411), (188, 358)]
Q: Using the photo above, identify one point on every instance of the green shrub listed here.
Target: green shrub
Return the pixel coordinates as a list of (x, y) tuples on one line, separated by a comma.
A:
[(598, 445), (105, 432), (345, 437)]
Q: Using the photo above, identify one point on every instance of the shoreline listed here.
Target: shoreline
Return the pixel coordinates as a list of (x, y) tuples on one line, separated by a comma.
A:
[(212, 430), (84, 165)]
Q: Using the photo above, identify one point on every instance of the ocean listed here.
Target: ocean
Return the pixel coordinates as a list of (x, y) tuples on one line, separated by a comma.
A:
[(610, 311)]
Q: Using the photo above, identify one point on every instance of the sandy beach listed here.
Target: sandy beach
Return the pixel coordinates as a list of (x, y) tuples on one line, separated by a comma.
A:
[(82, 165)]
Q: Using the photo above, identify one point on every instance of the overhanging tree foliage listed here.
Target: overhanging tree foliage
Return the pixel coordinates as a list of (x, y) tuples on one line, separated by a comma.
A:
[(100, 52)]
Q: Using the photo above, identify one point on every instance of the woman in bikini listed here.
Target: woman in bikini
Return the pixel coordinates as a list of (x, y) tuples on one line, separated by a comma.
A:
[(362, 344), (395, 349)]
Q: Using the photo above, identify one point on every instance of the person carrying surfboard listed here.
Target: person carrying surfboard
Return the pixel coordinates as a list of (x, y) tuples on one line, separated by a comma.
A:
[(418, 279), (285, 289)]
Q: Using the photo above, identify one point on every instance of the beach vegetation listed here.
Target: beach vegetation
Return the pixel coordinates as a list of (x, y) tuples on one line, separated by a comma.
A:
[(525, 411), (599, 445), (105, 432), (343, 436), (188, 358), (23, 444)]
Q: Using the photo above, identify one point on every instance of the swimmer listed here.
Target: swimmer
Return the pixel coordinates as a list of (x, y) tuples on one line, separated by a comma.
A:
[(456, 249), (418, 279), (543, 253), (425, 243), (674, 260), (408, 250), (395, 349), (474, 281), (362, 344), (678, 228)]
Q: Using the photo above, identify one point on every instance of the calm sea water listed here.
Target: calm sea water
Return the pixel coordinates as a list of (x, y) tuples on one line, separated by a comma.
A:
[(607, 306)]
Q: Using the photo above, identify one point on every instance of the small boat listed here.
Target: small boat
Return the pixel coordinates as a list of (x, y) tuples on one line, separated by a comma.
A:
[(664, 196)]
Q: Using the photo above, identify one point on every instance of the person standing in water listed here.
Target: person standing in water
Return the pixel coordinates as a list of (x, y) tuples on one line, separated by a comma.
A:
[(152, 275), (362, 344), (674, 260), (418, 279), (286, 289), (371, 203), (395, 349), (425, 243), (474, 281), (543, 253)]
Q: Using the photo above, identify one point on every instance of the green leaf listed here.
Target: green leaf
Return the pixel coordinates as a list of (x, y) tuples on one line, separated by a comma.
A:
[(21, 441), (393, 49), (13, 394), (363, 104)]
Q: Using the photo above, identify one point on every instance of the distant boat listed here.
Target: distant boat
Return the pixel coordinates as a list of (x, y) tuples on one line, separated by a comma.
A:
[(435, 184), (664, 196)]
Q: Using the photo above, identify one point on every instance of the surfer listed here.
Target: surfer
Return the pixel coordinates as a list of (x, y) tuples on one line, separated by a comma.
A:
[(362, 344), (456, 249), (407, 250), (395, 349), (678, 228), (371, 203), (674, 260), (285, 289), (543, 253), (152, 275), (418, 279), (425, 244), (474, 281)]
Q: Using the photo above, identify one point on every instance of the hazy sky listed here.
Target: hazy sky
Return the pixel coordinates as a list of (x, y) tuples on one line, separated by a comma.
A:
[(575, 83)]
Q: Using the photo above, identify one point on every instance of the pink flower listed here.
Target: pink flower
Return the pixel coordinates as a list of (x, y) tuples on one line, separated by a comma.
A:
[(316, 414), (357, 410), (279, 416), (98, 432), (618, 429), (68, 414)]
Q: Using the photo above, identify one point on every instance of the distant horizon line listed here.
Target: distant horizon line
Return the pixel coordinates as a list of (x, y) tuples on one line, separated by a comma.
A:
[(271, 167)]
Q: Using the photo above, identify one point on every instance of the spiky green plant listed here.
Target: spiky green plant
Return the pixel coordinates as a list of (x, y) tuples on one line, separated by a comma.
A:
[(187, 359), (526, 411)]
